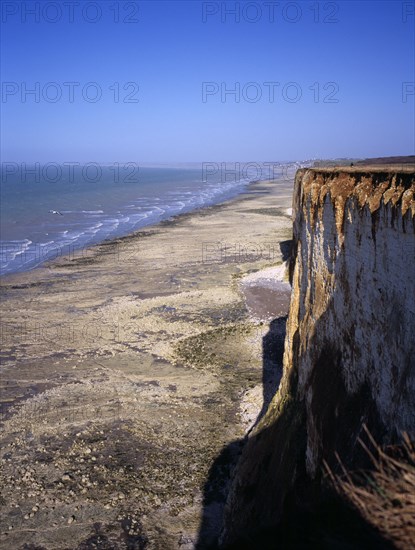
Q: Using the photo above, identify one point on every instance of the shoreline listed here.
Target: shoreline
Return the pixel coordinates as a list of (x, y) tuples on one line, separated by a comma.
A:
[(127, 371), (89, 252), (77, 251)]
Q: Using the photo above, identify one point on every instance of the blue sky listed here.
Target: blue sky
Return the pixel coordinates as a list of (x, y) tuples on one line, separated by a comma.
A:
[(337, 71)]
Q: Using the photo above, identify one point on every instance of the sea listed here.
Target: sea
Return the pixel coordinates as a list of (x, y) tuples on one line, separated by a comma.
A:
[(54, 209)]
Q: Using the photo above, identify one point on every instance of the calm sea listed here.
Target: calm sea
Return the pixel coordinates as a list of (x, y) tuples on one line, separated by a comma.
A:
[(48, 211)]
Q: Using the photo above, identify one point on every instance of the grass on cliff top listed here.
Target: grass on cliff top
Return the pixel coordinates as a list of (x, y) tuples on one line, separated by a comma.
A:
[(385, 496)]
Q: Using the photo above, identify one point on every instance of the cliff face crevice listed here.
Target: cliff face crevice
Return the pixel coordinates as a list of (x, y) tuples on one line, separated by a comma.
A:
[(350, 346)]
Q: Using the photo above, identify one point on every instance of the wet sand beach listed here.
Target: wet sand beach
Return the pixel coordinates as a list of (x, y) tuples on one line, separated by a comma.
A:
[(128, 367)]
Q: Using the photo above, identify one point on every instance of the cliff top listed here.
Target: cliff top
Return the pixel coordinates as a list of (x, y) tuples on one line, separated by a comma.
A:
[(370, 185), (359, 168)]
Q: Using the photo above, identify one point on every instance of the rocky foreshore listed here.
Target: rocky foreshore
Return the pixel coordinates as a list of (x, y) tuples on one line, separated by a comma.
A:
[(129, 368)]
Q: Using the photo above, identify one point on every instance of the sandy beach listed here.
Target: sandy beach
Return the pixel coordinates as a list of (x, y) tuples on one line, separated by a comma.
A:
[(126, 370)]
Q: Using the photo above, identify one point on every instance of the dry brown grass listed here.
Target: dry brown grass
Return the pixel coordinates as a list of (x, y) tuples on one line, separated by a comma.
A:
[(385, 495)]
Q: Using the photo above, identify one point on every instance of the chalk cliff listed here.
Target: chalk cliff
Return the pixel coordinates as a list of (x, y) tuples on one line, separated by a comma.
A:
[(350, 345)]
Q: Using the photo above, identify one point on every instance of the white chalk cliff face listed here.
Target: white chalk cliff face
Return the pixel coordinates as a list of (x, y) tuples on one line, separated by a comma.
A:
[(350, 345), (353, 306)]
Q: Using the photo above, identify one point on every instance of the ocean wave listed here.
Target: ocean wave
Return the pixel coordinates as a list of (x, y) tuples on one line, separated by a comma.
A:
[(82, 211), (10, 250), (92, 211)]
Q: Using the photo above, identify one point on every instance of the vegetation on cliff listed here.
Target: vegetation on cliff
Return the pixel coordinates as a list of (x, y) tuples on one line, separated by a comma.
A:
[(384, 495)]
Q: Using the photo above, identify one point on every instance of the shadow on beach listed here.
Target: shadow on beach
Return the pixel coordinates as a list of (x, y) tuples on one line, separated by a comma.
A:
[(217, 486)]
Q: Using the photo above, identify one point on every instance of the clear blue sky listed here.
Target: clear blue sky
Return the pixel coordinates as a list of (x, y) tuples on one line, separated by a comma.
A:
[(365, 49)]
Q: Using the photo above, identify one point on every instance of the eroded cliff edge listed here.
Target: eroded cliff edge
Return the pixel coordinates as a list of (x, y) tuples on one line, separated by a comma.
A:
[(350, 346)]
